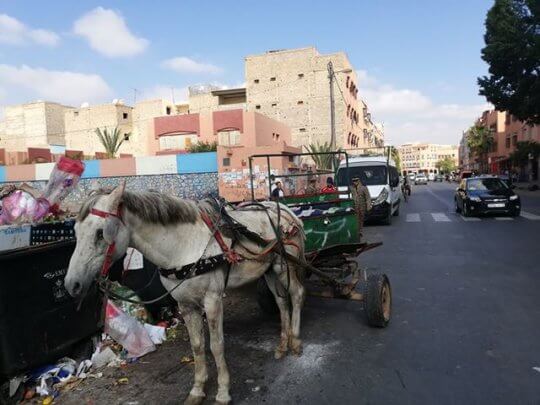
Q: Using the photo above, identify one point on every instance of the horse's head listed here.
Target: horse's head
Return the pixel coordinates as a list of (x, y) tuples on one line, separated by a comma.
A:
[(100, 233)]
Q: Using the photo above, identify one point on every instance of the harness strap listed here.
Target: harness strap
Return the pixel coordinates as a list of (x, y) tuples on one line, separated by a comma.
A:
[(108, 259), (230, 254), (198, 268)]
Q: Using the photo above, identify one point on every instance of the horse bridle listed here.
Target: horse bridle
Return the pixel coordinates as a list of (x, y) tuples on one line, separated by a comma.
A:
[(112, 246)]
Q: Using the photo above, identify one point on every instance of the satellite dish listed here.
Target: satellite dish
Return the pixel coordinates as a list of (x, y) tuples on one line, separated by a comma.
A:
[(115, 101), (85, 105)]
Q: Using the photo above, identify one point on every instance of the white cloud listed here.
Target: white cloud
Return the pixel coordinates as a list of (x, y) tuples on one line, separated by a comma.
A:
[(107, 33), (14, 32), (182, 64), (409, 115), (71, 88)]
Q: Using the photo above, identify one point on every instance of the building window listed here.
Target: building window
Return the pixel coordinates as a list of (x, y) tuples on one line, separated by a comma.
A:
[(229, 138), (348, 110), (168, 110), (258, 107), (226, 161), (274, 104), (299, 102), (76, 113), (126, 136), (507, 142), (272, 79), (302, 130), (514, 140), (256, 81), (300, 75), (125, 115)]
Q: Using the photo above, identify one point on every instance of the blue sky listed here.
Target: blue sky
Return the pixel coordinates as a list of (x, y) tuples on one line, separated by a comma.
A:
[(417, 61)]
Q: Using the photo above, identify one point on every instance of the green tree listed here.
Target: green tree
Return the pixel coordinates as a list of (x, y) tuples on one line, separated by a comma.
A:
[(480, 141), (525, 151), (111, 141), (202, 147), (512, 52), (323, 162), (446, 165), (394, 155)]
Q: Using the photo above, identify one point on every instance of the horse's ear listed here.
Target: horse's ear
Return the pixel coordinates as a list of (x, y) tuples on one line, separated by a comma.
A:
[(115, 197)]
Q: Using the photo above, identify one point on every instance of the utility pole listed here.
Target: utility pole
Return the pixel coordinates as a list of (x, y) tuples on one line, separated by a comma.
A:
[(332, 106), (135, 96)]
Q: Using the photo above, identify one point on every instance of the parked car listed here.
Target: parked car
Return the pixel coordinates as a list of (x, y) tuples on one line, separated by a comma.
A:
[(481, 195), (420, 179), (439, 177), (412, 176)]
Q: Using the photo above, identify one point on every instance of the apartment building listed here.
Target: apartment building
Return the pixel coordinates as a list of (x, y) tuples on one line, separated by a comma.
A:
[(292, 86), (423, 157)]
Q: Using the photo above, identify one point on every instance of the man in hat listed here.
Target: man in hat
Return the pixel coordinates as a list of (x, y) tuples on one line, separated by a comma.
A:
[(362, 203), (312, 186)]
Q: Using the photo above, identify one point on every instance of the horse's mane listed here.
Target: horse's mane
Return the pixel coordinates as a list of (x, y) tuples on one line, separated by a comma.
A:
[(149, 206)]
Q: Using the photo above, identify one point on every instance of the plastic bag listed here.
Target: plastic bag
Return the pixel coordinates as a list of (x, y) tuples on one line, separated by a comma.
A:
[(21, 207), (63, 179), (127, 331)]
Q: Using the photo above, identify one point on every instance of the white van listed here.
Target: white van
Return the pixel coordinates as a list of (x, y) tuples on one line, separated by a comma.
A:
[(382, 180)]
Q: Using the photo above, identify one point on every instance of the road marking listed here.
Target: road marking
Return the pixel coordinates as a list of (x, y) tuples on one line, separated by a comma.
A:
[(471, 219), (440, 217), (530, 216), (413, 218), (504, 219)]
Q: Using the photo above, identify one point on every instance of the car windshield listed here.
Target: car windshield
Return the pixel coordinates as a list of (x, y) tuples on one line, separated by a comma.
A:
[(370, 175), (485, 185)]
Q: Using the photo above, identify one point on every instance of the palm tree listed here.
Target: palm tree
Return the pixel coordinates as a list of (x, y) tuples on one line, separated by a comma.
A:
[(480, 141), (323, 162), (111, 141), (394, 155)]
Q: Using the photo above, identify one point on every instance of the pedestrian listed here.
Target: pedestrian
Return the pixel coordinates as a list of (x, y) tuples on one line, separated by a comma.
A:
[(330, 187), (277, 192), (312, 186), (362, 203)]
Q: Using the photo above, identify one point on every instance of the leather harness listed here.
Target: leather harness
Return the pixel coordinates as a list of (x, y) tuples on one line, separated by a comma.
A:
[(204, 264)]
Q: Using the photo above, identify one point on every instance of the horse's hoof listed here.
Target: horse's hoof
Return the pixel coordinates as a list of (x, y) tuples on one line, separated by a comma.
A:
[(296, 346), (223, 399), (193, 400), (279, 353)]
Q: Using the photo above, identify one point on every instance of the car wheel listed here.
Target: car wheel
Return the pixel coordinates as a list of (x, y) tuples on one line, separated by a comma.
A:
[(388, 219), (458, 210), (516, 213), (466, 212)]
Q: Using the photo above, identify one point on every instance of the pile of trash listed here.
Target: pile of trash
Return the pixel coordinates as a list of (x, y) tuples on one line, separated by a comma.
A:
[(25, 204), (125, 339)]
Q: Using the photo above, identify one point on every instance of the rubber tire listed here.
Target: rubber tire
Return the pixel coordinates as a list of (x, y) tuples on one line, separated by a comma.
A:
[(373, 301), (458, 210), (388, 219), (466, 212), (396, 212), (265, 298)]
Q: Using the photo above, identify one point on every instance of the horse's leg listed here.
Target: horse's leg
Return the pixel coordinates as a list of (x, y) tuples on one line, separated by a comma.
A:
[(297, 293), (213, 305), (194, 325), (283, 305)]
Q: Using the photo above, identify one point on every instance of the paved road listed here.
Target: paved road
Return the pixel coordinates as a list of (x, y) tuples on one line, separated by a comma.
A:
[(465, 327)]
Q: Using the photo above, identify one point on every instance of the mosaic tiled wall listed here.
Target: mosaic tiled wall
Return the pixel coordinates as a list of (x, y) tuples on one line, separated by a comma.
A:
[(192, 186)]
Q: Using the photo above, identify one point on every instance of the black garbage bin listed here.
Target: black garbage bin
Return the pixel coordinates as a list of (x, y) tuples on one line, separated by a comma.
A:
[(39, 321)]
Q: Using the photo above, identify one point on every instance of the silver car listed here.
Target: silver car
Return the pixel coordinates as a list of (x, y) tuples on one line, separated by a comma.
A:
[(420, 179)]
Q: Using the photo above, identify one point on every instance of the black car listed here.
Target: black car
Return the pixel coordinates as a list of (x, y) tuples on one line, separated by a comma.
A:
[(482, 195)]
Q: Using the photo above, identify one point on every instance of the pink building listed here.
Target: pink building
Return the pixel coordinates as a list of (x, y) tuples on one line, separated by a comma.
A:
[(239, 134)]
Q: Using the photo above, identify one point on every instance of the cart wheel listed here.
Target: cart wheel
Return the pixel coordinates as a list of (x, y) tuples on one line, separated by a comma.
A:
[(378, 300), (266, 299)]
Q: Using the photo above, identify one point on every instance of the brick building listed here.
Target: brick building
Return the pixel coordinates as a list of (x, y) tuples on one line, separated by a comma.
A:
[(423, 157)]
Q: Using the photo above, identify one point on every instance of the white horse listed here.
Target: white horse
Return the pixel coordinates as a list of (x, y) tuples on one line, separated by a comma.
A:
[(171, 233)]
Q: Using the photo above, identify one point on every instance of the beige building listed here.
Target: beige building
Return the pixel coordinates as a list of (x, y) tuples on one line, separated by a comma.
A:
[(423, 157), (33, 125), (292, 86)]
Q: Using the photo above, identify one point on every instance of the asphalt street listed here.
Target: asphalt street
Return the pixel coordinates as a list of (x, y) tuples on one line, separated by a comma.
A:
[(465, 326)]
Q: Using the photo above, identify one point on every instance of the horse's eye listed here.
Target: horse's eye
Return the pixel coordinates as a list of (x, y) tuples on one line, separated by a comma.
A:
[(99, 235)]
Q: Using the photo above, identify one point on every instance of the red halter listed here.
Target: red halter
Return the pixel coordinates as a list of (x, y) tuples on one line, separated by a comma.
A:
[(112, 246)]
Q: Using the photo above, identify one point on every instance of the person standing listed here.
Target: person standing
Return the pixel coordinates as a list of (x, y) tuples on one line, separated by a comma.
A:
[(362, 203), (312, 186), (277, 192), (330, 187)]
